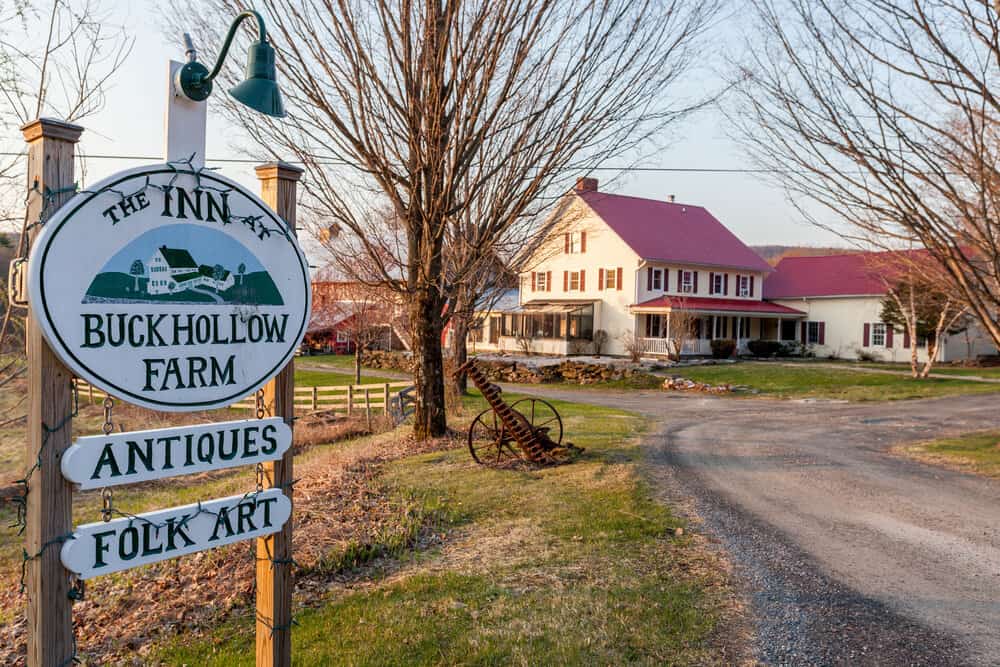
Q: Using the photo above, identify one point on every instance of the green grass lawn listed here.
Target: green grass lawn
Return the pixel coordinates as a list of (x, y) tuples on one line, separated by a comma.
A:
[(973, 452), (807, 380), (987, 372), (323, 378), (575, 564)]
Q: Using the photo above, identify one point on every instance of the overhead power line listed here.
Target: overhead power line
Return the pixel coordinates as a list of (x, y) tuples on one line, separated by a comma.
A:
[(337, 162)]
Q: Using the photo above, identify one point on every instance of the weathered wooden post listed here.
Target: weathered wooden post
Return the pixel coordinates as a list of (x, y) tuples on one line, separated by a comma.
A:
[(274, 552), (315, 399), (50, 406), (350, 400), (368, 408), (385, 399)]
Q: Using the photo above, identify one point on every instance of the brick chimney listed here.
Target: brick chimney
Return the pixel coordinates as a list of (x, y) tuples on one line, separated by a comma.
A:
[(586, 185)]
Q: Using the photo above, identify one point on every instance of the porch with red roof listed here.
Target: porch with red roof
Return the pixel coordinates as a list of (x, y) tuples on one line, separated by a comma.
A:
[(741, 320)]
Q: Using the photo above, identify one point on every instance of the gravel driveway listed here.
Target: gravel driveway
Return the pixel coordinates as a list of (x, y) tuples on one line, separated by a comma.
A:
[(850, 555)]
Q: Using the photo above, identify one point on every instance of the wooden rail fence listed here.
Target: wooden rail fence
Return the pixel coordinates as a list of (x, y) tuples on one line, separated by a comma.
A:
[(349, 399)]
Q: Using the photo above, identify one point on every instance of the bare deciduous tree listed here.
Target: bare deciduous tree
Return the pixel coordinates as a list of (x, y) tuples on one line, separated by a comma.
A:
[(57, 59), (683, 328), (883, 113), (432, 108), (920, 300)]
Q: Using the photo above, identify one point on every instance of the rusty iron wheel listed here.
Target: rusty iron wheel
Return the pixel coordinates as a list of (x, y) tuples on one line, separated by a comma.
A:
[(489, 444), (541, 415)]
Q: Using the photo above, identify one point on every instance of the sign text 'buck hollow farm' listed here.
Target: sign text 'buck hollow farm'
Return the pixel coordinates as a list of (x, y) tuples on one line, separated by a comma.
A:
[(173, 289)]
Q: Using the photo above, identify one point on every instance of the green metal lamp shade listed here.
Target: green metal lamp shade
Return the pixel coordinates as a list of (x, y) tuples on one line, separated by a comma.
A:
[(259, 91)]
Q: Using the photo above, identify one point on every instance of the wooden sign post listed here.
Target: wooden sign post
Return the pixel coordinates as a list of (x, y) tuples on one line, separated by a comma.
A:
[(50, 408), (274, 552)]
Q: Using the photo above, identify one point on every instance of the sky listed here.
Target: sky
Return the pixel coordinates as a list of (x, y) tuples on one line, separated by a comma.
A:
[(131, 123), (207, 246)]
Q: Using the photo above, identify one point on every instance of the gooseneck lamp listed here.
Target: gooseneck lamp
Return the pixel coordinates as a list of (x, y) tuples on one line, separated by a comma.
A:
[(258, 90)]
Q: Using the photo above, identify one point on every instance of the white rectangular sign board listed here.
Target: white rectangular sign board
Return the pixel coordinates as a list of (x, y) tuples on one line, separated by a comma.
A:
[(97, 461), (111, 546)]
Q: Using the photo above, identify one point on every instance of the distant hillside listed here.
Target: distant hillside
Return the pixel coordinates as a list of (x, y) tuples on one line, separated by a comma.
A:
[(772, 254)]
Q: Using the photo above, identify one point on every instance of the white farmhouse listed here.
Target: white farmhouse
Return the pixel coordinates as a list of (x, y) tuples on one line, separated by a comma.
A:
[(624, 265), (841, 296), (174, 270)]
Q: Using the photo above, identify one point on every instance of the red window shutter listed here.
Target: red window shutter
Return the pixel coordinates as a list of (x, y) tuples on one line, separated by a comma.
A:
[(751, 294), (804, 331), (822, 327), (711, 282), (618, 283), (565, 281), (866, 341), (600, 279), (566, 243), (725, 284), (534, 280), (548, 281), (695, 282), (582, 276), (583, 241), (649, 279), (888, 336), (906, 337)]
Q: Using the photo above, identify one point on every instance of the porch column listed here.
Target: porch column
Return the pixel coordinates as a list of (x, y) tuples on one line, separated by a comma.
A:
[(780, 328)]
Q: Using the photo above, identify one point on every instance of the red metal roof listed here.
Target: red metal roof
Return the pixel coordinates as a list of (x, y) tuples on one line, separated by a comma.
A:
[(718, 305), (669, 232), (855, 274)]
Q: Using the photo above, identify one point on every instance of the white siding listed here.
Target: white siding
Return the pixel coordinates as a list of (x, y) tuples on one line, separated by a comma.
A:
[(845, 319), (604, 250)]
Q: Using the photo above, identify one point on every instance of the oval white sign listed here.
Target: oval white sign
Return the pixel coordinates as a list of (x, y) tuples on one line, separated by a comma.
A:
[(170, 289)]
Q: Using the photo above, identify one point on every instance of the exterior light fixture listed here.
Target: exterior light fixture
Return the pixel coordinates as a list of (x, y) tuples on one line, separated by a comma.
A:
[(259, 89)]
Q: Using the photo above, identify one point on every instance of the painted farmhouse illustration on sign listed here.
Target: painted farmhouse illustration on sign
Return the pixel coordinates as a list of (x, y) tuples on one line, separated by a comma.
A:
[(174, 270), (661, 275)]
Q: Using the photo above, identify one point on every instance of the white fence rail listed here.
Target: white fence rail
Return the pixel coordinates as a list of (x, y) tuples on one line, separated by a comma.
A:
[(387, 397)]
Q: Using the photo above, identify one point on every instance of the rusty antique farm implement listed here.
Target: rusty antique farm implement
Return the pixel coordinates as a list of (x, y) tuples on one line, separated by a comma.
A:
[(529, 428)]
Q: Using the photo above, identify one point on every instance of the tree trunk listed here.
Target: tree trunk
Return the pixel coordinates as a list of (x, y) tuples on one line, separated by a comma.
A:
[(911, 327), (460, 351), (430, 420), (357, 364)]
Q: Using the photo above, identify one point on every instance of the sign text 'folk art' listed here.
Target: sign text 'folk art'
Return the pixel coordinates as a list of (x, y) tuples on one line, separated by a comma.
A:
[(111, 546)]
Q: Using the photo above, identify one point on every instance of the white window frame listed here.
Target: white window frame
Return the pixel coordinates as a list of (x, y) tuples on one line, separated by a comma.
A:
[(574, 281), (574, 243), (811, 329), (658, 279), (687, 282), (742, 285), (540, 282), (718, 283), (611, 278), (878, 334), (343, 336)]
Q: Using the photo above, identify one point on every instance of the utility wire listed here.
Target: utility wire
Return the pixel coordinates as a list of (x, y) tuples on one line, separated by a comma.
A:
[(336, 162)]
